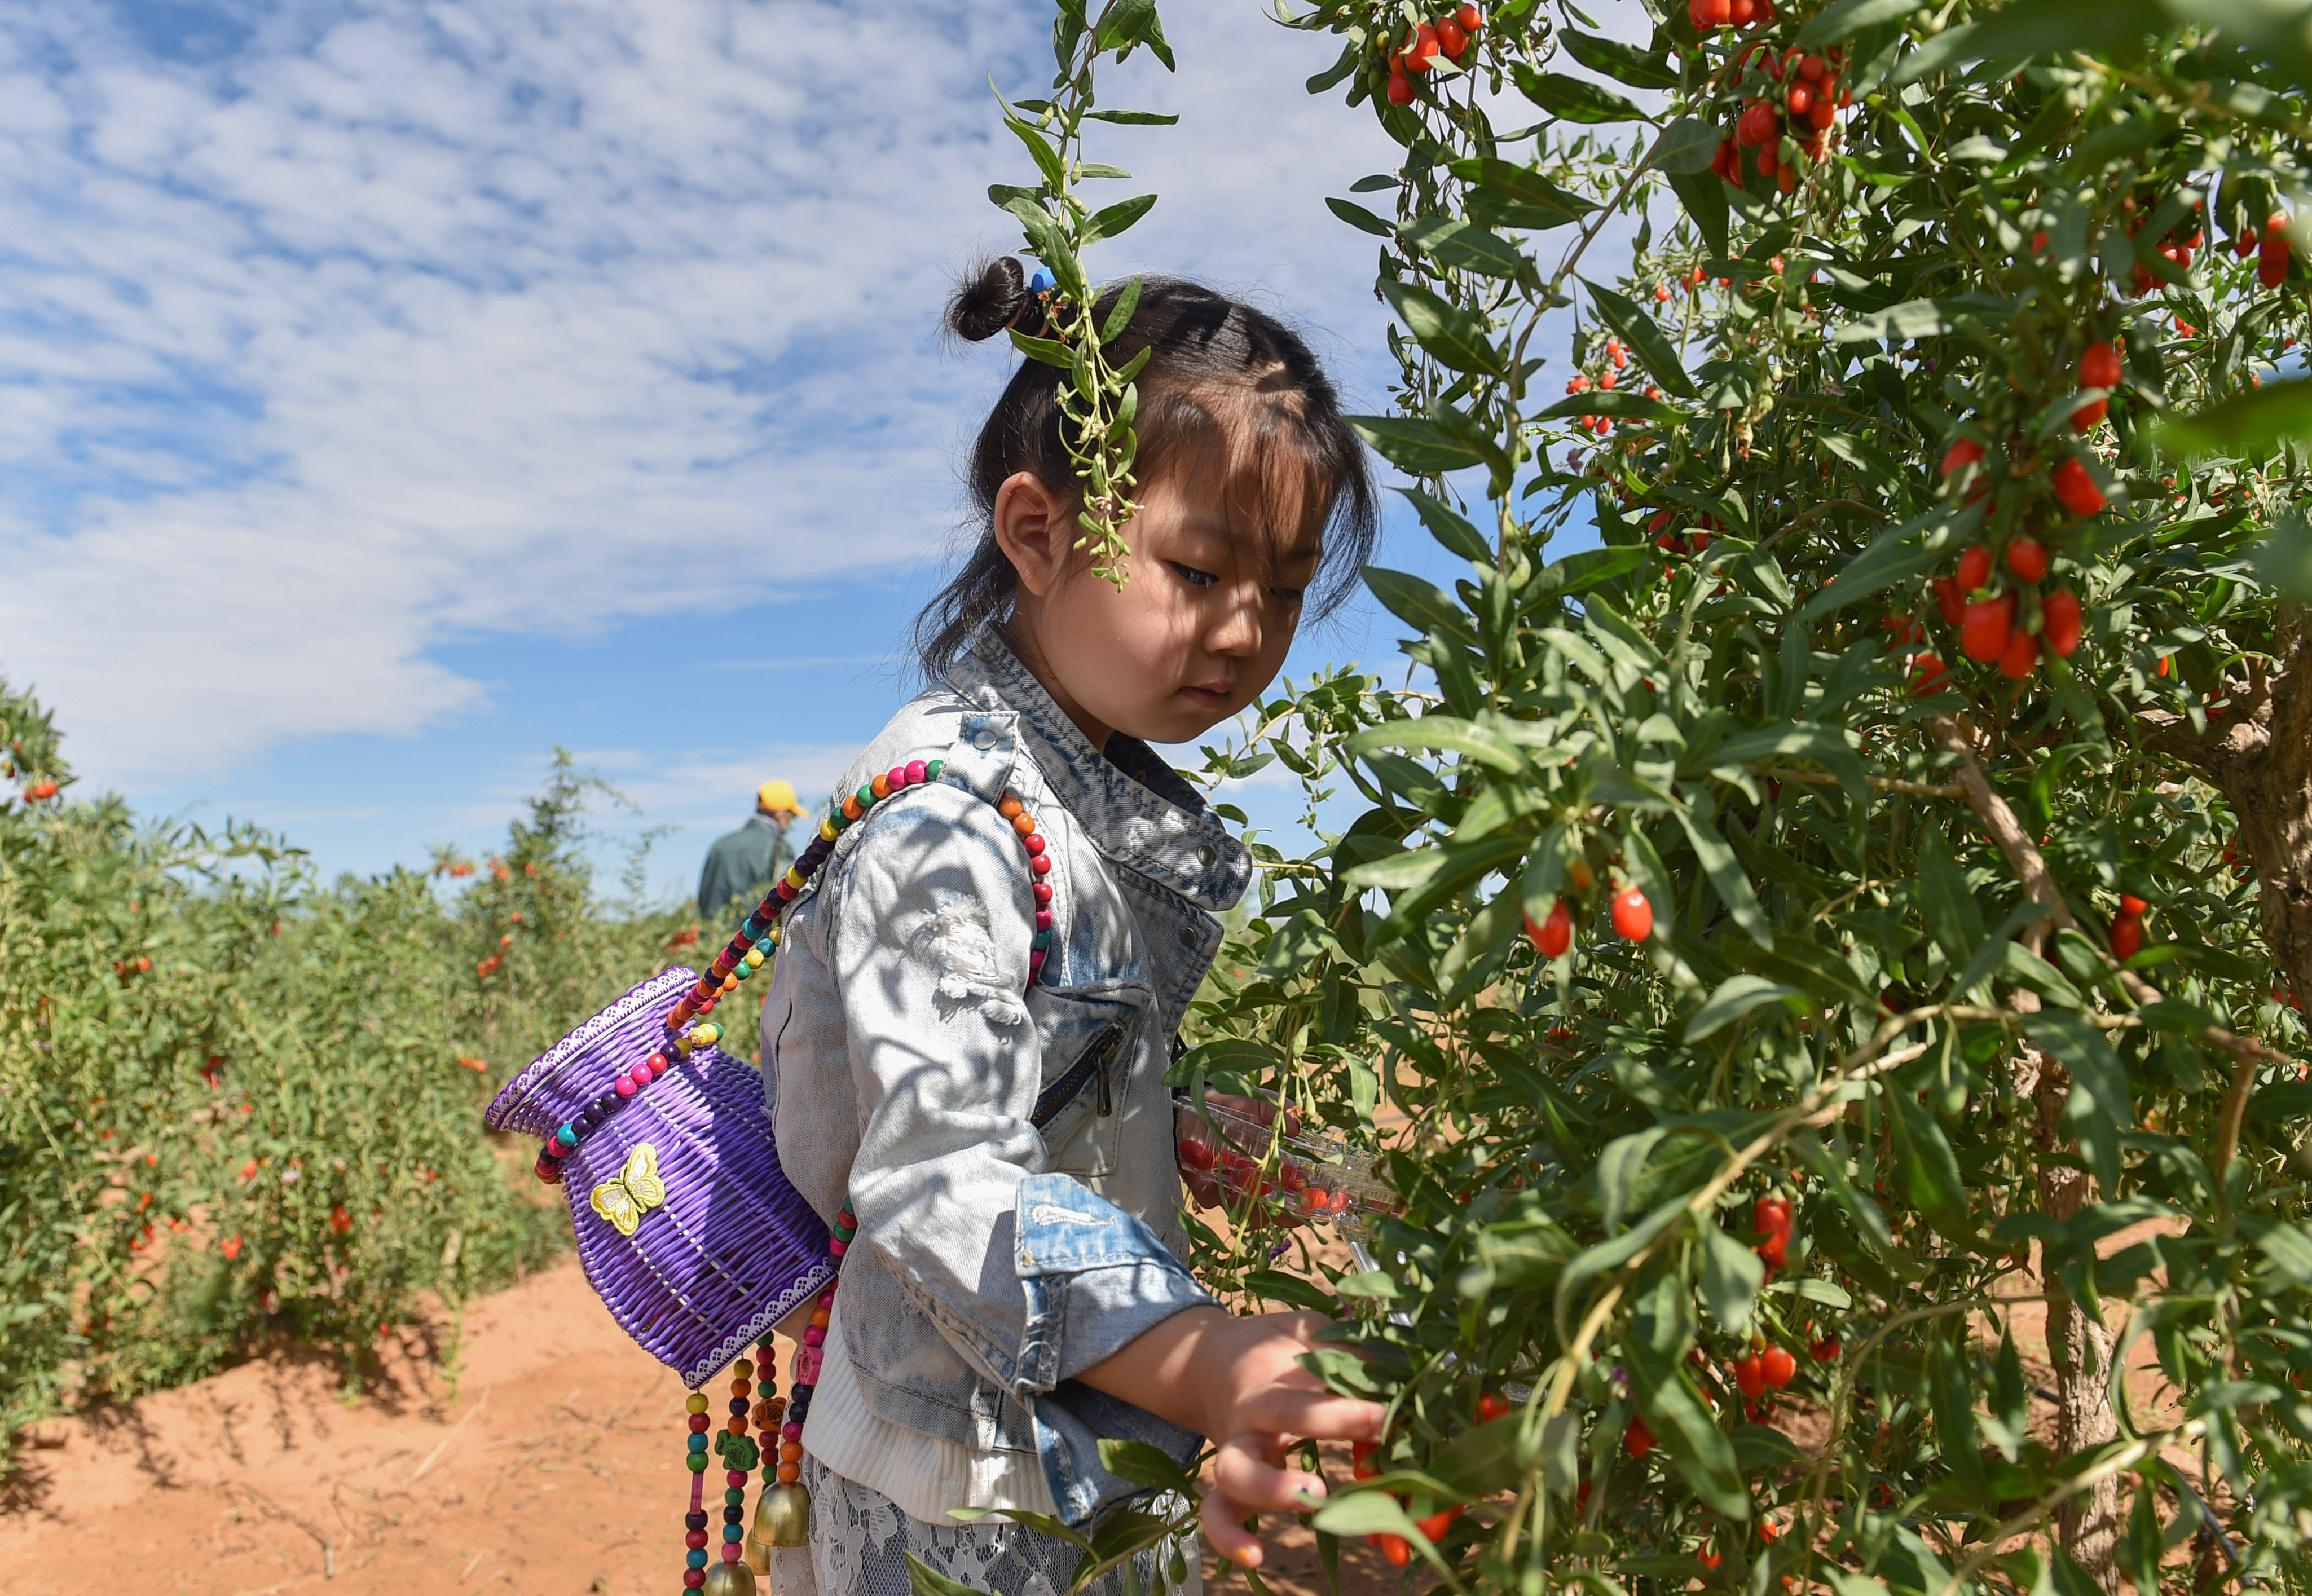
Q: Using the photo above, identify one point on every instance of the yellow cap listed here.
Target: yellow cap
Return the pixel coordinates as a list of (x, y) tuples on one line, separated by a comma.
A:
[(777, 794)]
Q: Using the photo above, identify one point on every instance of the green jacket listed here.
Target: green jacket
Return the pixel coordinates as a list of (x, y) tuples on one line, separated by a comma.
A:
[(741, 866)]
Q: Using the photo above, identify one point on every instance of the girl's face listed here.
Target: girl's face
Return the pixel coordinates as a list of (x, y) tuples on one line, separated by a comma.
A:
[(1197, 632)]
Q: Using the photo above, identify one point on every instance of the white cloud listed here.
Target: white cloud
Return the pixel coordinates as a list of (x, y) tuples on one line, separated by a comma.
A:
[(346, 335)]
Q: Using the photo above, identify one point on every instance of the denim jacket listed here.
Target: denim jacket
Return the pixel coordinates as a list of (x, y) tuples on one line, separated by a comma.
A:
[(1007, 1148)]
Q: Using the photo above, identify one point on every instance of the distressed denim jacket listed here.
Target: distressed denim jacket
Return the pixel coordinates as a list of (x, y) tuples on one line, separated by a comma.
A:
[(1007, 1149)]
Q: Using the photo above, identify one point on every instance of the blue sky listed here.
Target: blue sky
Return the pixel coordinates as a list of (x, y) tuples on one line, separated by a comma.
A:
[(392, 392)]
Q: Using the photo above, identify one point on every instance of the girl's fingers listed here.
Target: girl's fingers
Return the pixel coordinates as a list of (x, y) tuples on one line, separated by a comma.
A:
[(1256, 1485), (1225, 1532), (1286, 1409)]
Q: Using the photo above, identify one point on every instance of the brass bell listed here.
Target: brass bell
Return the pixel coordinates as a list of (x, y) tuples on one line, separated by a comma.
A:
[(783, 1516), (729, 1579), (757, 1556)]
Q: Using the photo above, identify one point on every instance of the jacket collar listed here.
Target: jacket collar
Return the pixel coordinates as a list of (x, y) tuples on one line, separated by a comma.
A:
[(1132, 806)]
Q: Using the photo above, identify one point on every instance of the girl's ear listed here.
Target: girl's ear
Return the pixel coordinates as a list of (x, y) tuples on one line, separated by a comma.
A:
[(1036, 530)]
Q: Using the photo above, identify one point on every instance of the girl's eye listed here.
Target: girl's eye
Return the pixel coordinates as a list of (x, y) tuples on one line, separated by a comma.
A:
[(1289, 597), (1193, 577)]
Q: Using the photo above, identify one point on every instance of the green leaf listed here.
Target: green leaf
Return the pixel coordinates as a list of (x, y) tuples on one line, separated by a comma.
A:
[(1413, 445), (1927, 1167), (1573, 99), (1764, 1446), (1144, 1466), (1490, 1457), (1112, 219), (928, 1581), (1445, 734), (1279, 1287), (2246, 424), (1351, 58), (1050, 352), (1821, 744), (1544, 872), (1624, 63), (1726, 873), (1950, 1390), (1577, 573), (1736, 997), (1618, 1169), (1651, 343), (1421, 604), (2285, 1245), (1461, 245), (1704, 196), (1450, 334), (1688, 145), (1609, 1254), (1731, 1275), (1682, 1422), (2285, 558), (1135, 119), (1369, 1512), (1124, 23), (1523, 186), (1924, 318), (1119, 315), (1850, 17), (1895, 555), (2098, 1109), (1949, 909), (1447, 527), (1358, 217), (2283, 1100), (1040, 150), (1398, 871)]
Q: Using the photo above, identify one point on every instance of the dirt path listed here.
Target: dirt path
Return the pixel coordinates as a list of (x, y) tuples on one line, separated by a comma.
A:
[(549, 1467), (554, 1471)]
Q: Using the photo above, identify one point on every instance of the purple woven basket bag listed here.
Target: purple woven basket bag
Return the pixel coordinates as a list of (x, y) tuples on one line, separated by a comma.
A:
[(722, 1248)]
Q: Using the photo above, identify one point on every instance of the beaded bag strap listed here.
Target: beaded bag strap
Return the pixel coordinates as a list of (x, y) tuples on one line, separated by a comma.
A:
[(782, 1512)]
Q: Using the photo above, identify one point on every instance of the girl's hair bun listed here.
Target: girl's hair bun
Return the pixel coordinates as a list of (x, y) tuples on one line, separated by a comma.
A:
[(989, 300)]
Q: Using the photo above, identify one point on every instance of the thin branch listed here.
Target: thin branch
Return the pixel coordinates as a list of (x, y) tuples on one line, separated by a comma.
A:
[(2024, 858), (2126, 1457), (1882, 783)]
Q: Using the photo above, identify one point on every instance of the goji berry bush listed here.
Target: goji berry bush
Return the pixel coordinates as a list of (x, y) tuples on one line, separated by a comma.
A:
[(1814, 939), (238, 1106)]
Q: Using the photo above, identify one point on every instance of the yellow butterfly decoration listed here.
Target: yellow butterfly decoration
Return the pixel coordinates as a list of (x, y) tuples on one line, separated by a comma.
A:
[(634, 1190)]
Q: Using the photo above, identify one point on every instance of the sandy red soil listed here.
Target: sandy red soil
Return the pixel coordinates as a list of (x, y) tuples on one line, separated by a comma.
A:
[(544, 1460), (539, 1456)]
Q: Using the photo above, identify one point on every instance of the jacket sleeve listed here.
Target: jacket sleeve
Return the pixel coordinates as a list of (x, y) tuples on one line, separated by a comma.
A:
[(929, 952)]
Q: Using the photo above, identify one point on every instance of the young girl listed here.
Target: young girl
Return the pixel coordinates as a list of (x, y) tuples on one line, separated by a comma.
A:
[(978, 995)]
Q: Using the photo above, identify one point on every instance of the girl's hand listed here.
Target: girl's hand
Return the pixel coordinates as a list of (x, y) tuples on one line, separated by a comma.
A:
[(1236, 1380), (1260, 1396)]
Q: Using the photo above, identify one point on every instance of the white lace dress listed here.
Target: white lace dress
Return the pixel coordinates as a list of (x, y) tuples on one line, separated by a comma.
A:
[(860, 1544)]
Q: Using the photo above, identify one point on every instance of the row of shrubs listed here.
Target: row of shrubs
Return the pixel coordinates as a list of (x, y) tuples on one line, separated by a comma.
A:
[(240, 1106)]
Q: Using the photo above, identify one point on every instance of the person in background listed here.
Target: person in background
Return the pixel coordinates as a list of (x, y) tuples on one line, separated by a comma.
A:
[(744, 864)]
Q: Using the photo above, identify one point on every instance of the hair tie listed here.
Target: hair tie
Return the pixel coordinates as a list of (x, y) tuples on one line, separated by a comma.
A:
[(1042, 289)]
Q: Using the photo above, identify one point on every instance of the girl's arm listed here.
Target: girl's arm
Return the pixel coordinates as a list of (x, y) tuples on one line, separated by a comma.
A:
[(1238, 1382), (1028, 1276)]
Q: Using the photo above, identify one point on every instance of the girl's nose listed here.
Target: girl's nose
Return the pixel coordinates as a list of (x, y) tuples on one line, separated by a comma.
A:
[(1237, 629)]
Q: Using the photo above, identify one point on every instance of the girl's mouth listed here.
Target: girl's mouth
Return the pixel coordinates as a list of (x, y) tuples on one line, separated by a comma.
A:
[(1208, 695)]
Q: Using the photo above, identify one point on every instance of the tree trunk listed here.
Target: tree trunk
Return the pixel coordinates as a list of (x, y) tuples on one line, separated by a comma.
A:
[(2260, 754), (2079, 1346)]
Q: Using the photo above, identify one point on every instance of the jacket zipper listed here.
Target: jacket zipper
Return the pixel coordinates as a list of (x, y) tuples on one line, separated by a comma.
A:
[(1092, 1062)]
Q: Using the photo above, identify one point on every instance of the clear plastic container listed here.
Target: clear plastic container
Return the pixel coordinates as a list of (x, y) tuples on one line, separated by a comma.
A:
[(1312, 1179)]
